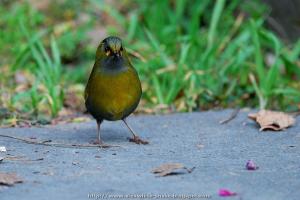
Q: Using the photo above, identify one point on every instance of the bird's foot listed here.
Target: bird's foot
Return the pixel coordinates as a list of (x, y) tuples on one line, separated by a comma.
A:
[(101, 144), (138, 140), (96, 142)]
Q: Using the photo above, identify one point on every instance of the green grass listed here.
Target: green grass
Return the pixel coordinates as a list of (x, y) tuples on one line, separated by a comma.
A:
[(195, 57), (203, 66)]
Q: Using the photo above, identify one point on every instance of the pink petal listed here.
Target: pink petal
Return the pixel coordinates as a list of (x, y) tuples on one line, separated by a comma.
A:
[(251, 165), (226, 193)]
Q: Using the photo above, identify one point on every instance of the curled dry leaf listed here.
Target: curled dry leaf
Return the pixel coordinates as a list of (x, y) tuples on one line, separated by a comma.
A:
[(169, 168), (9, 179), (272, 120)]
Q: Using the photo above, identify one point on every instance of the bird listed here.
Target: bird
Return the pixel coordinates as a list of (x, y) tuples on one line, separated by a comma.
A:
[(113, 90)]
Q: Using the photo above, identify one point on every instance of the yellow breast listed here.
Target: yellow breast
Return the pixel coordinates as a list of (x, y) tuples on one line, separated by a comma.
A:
[(113, 96)]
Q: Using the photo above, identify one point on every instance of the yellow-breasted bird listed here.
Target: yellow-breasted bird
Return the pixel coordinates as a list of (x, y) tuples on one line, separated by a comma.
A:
[(114, 89)]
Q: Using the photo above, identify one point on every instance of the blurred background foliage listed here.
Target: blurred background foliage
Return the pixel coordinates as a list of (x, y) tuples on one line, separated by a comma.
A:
[(190, 55)]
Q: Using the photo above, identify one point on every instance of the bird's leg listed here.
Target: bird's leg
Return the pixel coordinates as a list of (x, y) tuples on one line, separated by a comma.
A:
[(98, 140), (136, 139)]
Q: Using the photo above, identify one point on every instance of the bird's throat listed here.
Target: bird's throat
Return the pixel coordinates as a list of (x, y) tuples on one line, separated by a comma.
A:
[(111, 64)]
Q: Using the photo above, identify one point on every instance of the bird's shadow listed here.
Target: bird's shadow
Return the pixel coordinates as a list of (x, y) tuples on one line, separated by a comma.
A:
[(252, 125)]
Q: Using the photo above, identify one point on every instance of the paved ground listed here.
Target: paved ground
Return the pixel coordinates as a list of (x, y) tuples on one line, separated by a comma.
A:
[(219, 153)]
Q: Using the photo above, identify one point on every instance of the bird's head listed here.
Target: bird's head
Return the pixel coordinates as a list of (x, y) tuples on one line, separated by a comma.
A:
[(110, 48)]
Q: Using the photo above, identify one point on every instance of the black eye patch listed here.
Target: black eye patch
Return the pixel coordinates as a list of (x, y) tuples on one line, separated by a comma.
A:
[(106, 49)]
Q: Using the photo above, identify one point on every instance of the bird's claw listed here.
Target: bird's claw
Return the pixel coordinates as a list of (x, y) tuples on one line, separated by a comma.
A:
[(101, 144), (138, 140), (96, 142)]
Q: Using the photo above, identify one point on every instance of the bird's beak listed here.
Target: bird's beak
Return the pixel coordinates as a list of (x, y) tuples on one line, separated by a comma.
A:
[(117, 54)]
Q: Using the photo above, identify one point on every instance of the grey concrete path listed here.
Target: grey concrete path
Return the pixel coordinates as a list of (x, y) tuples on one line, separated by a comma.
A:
[(218, 153)]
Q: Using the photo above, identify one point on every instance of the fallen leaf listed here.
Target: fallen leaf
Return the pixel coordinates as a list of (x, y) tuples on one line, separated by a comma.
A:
[(9, 179), (250, 165), (170, 168), (2, 149), (226, 193), (167, 169), (272, 120)]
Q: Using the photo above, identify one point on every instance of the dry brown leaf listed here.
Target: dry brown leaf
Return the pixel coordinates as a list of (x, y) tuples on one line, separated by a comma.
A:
[(272, 120), (9, 179), (169, 168)]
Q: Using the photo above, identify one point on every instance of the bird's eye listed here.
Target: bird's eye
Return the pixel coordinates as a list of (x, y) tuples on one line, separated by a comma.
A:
[(106, 49)]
